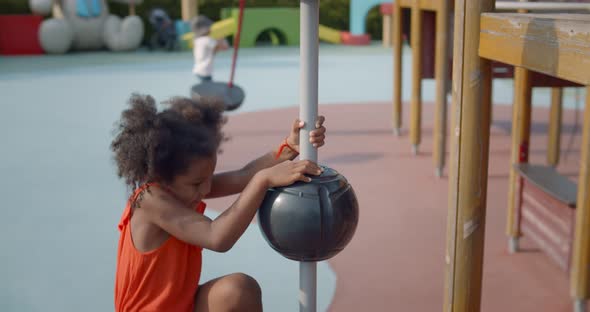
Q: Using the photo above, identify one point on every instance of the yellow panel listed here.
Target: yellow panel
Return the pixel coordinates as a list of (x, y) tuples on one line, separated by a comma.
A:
[(223, 28), (219, 30), (330, 34)]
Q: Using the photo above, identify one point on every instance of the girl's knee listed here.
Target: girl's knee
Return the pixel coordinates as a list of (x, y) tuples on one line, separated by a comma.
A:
[(241, 291)]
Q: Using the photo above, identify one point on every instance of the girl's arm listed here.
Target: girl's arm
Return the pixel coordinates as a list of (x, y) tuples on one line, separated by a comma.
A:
[(233, 182), (221, 234)]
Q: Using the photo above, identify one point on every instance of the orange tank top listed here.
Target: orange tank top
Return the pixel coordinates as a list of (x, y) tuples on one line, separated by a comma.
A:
[(164, 279)]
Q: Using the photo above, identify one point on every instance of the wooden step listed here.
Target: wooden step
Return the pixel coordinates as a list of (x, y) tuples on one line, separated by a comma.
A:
[(547, 214), (550, 181)]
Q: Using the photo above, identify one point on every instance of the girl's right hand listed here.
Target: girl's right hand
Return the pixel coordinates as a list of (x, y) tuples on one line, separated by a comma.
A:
[(287, 172)]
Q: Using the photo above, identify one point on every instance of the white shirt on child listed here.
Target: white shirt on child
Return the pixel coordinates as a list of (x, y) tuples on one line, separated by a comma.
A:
[(203, 51)]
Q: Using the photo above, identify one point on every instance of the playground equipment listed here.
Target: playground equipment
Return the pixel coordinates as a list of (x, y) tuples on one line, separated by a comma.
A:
[(87, 26), (542, 6), (386, 10), (358, 13), (546, 206), (312, 221), (19, 34), (281, 25), (230, 94), (271, 17), (557, 45), (423, 27), (422, 32)]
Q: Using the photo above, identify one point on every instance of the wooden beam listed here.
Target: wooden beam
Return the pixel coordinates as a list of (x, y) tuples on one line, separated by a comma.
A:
[(424, 5), (416, 98), (553, 144), (554, 44), (397, 67), (580, 269), (541, 6), (442, 86), (469, 162)]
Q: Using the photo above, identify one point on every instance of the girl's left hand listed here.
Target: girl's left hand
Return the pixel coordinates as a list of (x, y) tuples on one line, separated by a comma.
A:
[(316, 137)]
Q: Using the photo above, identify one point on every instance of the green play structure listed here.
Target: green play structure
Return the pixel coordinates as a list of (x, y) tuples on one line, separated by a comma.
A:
[(277, 26), (280, 25)]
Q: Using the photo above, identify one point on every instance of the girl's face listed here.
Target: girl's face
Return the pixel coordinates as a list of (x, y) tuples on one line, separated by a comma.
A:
[(192, 186)]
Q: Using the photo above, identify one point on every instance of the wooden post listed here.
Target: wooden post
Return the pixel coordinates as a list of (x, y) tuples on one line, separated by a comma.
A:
[(386, 40), (580, 269), (521, 124), (553, 146), (521, 121), (469, 161), (190, 9), (441, 78), (397, 66), (416, 100)]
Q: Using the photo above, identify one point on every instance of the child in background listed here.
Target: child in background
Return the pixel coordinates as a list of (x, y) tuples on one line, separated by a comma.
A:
[(205, 47)]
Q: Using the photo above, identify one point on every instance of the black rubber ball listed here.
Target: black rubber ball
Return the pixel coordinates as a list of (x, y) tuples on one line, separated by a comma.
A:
[(310, 221)]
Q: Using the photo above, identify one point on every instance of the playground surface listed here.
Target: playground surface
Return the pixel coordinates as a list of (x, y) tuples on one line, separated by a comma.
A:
[(395, 261), (62, 200)]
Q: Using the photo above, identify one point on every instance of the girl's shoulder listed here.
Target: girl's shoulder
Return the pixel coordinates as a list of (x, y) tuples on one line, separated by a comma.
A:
[(147, 192)]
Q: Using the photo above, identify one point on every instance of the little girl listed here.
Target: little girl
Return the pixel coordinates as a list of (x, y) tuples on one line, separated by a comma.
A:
[(168, 158)]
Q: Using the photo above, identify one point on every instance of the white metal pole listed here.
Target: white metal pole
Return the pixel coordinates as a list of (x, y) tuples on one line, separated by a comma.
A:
[(309, 51), (307, 286), (308, 112)]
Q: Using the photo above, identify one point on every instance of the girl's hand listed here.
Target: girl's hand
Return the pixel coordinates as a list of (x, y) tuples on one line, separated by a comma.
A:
[(288, 172), (316, 137)]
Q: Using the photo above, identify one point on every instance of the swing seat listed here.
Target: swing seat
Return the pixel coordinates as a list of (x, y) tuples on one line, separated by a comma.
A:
[(232, 97), (230, 94)]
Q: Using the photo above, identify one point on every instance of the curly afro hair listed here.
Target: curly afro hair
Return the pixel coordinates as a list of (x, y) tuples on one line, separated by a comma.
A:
[(151, 145)]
